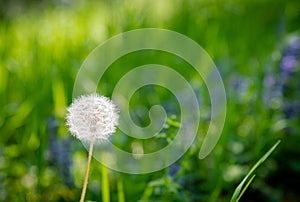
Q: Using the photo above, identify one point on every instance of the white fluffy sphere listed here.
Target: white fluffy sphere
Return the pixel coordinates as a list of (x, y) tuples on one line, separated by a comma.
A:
[(92, 117)]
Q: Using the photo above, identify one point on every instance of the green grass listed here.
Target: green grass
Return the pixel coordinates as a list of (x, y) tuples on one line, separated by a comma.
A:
[(41, 51), (240, 190)]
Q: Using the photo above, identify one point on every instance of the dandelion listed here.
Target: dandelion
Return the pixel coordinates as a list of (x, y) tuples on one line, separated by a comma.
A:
[(92, 118)]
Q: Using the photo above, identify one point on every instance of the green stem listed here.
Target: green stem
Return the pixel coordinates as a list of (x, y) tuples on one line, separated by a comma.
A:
[(105, 184)]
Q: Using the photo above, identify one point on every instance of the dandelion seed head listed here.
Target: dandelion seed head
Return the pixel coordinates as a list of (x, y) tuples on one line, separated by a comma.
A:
[(92, 117)]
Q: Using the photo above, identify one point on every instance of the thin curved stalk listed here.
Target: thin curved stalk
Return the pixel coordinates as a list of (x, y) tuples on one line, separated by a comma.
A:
[(87, 172)]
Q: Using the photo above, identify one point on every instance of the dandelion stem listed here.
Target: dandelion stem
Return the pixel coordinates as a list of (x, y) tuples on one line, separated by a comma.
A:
[(87, 172)]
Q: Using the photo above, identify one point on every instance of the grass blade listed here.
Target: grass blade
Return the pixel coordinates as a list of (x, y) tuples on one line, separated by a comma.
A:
[(105, 184), (239, 191), (245, 188), (121, 195)]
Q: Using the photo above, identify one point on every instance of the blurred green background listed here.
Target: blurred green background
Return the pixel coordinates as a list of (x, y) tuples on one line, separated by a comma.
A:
[(255, 45)]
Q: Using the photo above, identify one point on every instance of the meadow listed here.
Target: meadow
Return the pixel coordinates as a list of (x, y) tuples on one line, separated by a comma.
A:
[(255, 46)]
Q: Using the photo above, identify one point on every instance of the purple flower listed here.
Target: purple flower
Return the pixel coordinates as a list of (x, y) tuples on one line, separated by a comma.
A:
[(59, 152), (291, 56)]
